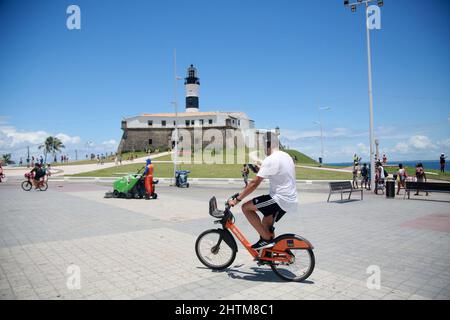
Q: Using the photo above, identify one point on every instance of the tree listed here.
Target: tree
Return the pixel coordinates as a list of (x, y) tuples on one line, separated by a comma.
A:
[(51, 145), (7, 159)]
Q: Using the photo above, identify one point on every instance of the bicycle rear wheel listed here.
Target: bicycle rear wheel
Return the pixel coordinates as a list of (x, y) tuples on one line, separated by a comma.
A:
[(299, 269), (27, 185), (213, 251)]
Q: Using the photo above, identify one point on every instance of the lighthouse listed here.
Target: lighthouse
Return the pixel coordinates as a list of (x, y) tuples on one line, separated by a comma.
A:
[(192, 85)]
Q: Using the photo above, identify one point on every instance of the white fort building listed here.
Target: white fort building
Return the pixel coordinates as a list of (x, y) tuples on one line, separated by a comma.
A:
[(156, 130)]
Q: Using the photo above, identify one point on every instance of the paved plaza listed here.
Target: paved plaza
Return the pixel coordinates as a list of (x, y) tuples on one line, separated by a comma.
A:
[(137, 249)]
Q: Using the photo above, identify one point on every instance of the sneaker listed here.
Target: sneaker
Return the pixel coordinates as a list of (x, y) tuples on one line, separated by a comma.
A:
[(263, 244)]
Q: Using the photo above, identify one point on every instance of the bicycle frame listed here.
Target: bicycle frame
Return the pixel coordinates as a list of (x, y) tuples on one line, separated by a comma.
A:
[(277, 253)]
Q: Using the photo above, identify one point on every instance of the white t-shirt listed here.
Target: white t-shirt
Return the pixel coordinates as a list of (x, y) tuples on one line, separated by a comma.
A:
[(382, 172), (279, 168)]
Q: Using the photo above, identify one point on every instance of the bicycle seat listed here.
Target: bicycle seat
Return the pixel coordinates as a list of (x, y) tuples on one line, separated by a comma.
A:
[(213, 211)]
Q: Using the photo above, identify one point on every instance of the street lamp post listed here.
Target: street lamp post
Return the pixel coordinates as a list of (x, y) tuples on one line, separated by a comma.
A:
[(321, 131), (175, 103), (369, 66)]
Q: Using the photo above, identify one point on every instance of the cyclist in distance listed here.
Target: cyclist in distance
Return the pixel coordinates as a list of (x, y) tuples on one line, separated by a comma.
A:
[(38, 174), (279, 168)]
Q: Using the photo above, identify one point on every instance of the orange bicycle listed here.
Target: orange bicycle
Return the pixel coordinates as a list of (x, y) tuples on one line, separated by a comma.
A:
[(291, 257)]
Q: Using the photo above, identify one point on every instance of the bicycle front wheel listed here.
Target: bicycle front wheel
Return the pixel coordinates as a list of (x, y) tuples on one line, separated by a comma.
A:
[(213, 251), (299, 269), (43, 186), (27, 185)]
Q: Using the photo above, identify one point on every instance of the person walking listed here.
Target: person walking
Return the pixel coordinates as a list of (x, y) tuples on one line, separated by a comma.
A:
[(442, 162), (245, 173), (420, 176), (401, 177)]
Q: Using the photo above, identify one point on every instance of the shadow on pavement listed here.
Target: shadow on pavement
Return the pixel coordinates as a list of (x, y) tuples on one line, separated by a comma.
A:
[(258, 275), (345, 201)]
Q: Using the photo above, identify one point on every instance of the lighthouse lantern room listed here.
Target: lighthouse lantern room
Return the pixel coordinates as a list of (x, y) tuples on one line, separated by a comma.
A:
[(192, 85)]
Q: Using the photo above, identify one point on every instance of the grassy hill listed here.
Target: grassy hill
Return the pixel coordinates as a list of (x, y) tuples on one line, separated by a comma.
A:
[(301, 158), (165, 170)]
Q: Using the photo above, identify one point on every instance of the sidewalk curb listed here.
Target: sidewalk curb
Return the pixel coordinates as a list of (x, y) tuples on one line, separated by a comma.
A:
[(193, 181)]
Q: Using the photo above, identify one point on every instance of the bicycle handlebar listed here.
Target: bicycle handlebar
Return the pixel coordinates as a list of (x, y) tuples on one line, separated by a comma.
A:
[(234, 196)]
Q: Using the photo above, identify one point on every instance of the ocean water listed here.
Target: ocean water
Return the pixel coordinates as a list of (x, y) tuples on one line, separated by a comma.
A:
[(427, 164)]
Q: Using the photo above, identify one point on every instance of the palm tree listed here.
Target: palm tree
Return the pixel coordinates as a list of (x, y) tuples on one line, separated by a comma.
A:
[(51, 145), (7, 158)]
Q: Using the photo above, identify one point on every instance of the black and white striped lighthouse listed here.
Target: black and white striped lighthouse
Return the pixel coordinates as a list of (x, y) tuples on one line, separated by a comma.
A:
[(192, 85)]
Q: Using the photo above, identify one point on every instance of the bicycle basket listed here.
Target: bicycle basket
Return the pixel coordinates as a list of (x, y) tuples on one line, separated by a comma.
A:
[(213, 211)]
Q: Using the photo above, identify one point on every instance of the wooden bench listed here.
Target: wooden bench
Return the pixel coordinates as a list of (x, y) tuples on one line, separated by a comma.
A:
[(342, 187), (426, 186)]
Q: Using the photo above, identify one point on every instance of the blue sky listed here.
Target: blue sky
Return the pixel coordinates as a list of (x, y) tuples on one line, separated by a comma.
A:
[(275, 60)]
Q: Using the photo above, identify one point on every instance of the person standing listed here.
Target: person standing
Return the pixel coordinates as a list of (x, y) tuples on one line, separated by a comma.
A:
[(379, 177), (384, 159), (442, 162), (355, 175), (20, 162), (245, 173), (148, 179), (365, 176), (1, 172)]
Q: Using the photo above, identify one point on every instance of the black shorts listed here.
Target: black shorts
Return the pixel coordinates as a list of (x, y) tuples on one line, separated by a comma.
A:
[(267, 206)]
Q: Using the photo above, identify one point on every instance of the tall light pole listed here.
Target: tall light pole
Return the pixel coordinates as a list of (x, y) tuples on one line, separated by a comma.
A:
[(321, 130), (369, 66), (175, 103)]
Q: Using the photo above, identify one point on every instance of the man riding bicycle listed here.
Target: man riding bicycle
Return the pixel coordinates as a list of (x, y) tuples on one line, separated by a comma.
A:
[(279, 168), (38, 174)]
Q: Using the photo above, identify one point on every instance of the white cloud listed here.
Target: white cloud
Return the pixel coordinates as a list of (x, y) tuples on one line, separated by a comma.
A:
[(11, 138), (444, 144), (110, 142), (421, 143), (296, 135), (67, 140), (401, 148), (362, 148)]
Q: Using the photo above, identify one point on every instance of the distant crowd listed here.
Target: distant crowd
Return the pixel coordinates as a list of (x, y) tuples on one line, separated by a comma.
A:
[(362, 173)]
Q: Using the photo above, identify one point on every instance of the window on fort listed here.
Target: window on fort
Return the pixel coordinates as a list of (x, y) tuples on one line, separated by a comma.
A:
[(163, 123), (174, 123), (201, 121), (192, 122), (187, 122), (210, 121), (150, 141), (150, 122), (239, 122)]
